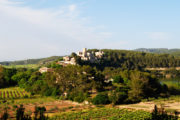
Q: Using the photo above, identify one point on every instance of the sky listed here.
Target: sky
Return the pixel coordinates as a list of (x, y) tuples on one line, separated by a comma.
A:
[(42, 28)]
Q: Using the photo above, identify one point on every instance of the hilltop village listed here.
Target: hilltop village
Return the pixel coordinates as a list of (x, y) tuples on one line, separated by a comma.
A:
[(84, 55)]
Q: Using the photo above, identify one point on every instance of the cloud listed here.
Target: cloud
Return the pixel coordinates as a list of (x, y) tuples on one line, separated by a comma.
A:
[(29, 33), (72, 8)]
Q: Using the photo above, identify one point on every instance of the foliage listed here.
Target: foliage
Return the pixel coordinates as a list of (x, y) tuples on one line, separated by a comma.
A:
[(161, 114), (118, 97), (118, 79), (5, 114), (132, 60), (39, 113), (20, 114), (175, 52), (32, 61), (13, 93), (77, 96), (100, 99), (143, 85), (5, 77), (109, 114)]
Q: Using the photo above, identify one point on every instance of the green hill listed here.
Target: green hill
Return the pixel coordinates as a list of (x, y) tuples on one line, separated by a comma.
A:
[(175, 52), (126, 59), (40, 61)]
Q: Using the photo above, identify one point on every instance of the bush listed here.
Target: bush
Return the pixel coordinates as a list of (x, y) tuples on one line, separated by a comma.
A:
[(26, 96), (118, 79), (78, 96), (79, 99), (101, 99), (48, 92), (118, 97)]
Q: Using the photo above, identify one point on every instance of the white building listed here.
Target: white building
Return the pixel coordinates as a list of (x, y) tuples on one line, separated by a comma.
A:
[(90, 56), (45, 69), (84, 55)]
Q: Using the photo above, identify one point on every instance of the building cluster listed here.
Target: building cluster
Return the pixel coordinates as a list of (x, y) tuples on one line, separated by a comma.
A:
[(45, 69), (67, 60), (84, 55)]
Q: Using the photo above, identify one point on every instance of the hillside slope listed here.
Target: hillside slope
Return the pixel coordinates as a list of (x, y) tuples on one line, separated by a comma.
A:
[(136, 60), (31, 61), (175, 52)]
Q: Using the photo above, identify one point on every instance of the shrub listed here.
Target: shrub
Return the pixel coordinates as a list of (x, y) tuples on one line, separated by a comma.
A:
[(26, 96), (118, 97), (48, 92), (77, 96), (101, 99), (118, 79), (79, 99)]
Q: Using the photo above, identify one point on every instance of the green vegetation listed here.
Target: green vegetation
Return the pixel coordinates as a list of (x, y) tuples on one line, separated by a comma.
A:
[(175, 83), (13, 93), (78, 82), (29, 66), (20, 114), (134, 60), (92, 114), (30, 100), (32, 61), (114, 114), (104, 113), (175, 52), (100, 99), (119, 78)]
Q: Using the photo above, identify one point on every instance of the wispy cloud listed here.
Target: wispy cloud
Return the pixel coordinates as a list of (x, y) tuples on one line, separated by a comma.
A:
[(72, 8), (27, 32)]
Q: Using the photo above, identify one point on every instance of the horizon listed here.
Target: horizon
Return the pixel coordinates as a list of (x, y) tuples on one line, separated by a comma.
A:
[(40, 28), (87, 49)]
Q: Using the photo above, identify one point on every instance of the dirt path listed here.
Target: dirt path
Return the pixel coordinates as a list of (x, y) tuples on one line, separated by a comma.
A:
[(149, 106)]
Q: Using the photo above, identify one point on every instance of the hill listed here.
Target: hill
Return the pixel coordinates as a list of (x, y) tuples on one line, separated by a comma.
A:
[(136, 60), (175, 52), (31, 61)]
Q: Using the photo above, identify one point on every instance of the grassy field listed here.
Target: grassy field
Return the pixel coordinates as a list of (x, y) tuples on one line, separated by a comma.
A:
[(33, 66), (175, 83)]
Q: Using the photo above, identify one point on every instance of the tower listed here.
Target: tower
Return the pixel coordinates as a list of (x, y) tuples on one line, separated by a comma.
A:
[(84, 52)]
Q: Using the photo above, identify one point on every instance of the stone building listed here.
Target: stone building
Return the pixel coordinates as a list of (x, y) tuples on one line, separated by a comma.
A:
[(45, 69), (84, 55), (90, 56)]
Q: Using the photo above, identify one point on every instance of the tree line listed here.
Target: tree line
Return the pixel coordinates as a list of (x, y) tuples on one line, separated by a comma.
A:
[(133, 60), (78, 83)]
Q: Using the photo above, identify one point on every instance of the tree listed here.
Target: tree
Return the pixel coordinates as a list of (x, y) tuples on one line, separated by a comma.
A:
[(143, 85), (118, 79), (5, 115), (39, 113), (101, 99), (20, 114)]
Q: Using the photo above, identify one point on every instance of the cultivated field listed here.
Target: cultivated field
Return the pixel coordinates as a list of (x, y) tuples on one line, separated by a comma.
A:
[(13, 93), (104, 114)]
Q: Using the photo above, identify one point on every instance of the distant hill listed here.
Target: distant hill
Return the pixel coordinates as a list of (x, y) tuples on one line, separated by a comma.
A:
[(128, 59), (175, 52), (32, 61)]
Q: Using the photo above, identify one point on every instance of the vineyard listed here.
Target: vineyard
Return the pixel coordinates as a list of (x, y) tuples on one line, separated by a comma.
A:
[(15, 92), (105, 114)]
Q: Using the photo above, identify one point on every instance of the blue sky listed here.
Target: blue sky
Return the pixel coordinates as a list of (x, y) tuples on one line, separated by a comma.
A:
[(41, 28)]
